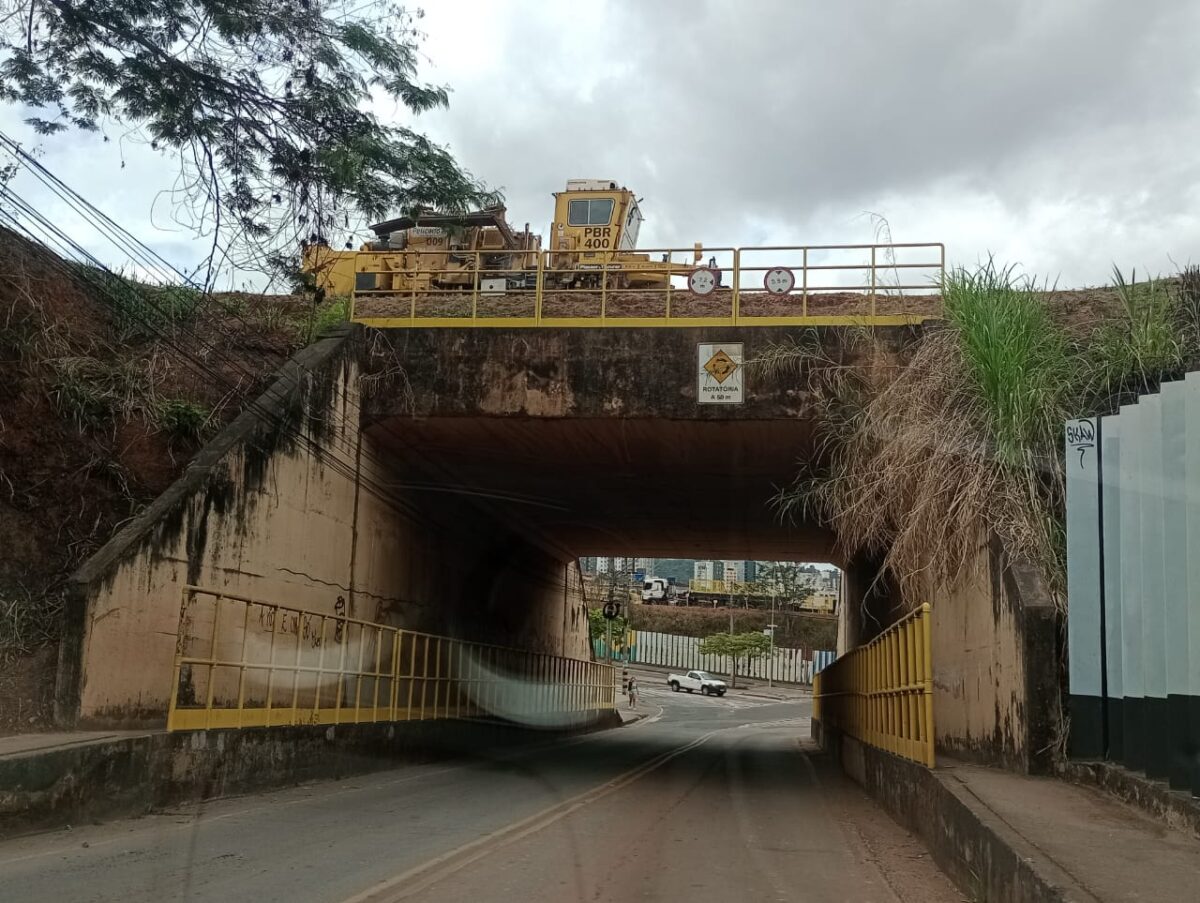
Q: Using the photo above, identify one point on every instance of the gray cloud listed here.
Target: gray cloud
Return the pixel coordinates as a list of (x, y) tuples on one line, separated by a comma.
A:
[(1057, 135), (795, 117)]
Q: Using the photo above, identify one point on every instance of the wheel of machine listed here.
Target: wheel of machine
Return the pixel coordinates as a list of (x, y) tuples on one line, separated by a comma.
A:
[(720, 692), (675, 685), (704, 690)]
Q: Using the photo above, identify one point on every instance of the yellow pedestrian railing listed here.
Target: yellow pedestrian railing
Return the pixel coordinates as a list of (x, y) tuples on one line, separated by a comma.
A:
[(882, 693), (782, 285), (244, 662)]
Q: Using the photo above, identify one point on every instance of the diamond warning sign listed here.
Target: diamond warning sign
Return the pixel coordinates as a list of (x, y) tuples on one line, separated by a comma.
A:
[(720, 366), (720, 374)]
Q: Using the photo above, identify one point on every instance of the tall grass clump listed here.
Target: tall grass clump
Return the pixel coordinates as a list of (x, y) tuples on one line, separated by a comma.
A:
[(182, 420), (1017, 360), (1130, 355)]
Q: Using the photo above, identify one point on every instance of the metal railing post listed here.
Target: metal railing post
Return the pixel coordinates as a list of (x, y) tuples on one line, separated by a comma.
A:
[(296, 667), (212, 667), (670, 287), (603, 286), (177, 667), (804, 288), (539, 283), (475, 291), (320, 674), (341, 672), (927, 684), (242, 665), (412, 676), (358, 677), (424, 675), (872, 280), (412, 312), (737, 290)]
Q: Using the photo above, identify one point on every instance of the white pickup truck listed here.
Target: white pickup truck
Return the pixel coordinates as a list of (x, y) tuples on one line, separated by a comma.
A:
[(697, 680)]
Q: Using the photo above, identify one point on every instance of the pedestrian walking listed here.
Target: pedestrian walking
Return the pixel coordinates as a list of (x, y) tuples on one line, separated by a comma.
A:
[(633, 692)]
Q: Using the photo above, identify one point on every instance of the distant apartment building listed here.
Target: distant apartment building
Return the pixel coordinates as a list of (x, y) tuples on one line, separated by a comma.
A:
[(702, 570)]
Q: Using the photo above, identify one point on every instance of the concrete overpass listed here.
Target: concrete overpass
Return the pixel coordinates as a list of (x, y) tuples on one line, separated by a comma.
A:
[(446, 480)]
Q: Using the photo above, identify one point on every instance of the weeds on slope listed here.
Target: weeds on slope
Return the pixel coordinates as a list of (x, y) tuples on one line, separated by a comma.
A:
[(920, 462)]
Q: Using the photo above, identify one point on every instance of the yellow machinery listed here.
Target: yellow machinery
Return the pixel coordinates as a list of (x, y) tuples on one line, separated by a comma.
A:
[(593, 239)]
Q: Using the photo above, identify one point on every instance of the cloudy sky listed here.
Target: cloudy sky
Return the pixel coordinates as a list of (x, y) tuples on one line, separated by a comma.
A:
[(1059, 136)]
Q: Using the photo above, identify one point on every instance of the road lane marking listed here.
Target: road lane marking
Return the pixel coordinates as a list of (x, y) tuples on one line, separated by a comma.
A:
[(423, 876), (650, 720)]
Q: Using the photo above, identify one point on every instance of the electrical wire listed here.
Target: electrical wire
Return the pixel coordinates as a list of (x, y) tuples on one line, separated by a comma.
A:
[(151, 262)]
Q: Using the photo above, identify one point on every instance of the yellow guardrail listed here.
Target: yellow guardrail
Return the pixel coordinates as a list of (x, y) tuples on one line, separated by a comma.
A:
[(780, 285), (882, 693), (245, 662)]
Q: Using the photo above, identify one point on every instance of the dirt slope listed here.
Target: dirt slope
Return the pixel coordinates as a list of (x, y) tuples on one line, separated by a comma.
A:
[(100, 409)]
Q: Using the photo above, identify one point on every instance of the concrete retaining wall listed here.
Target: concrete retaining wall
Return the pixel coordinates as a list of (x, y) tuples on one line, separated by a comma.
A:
[(995, 666), (295, 503), (996, 657)]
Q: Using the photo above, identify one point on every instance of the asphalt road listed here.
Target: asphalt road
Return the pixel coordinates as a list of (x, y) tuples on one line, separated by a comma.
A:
[(703, 800)]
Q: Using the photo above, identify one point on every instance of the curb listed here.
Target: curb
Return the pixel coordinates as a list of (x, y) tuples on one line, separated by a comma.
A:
[(75, 783), (778, 698), (1176, 809), (978, 850)]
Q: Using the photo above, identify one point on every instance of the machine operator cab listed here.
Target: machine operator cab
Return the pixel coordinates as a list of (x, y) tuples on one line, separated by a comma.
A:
[(594, 216)]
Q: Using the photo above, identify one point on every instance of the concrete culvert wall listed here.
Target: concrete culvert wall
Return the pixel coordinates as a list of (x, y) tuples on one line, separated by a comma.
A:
[(995, 667), (994, 631)]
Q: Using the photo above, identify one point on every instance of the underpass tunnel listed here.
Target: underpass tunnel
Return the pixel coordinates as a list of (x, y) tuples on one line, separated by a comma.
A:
[(585, 486), (566, 488)]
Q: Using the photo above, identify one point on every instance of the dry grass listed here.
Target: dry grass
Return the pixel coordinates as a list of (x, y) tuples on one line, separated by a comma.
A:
[(920, 464)]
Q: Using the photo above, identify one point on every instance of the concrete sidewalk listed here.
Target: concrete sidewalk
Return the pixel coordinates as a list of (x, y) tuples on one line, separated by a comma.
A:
[(1081, 841), (25, 744)]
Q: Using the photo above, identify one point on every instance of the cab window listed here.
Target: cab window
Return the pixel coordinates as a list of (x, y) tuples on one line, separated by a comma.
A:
[(633, 222), (590, 212)]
